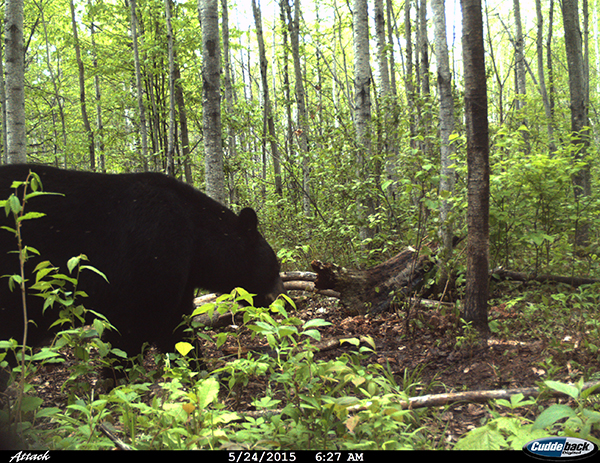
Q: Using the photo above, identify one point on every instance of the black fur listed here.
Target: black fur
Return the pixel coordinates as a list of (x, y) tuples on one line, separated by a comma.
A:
[(155, 238)]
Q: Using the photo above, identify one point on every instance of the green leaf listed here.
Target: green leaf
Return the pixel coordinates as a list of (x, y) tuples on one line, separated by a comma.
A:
[(316, 322), (29, 403), (98, 327), (13, 204), (8, 344), (315, 334), (44, 354), (95, 270), (552, 414), (31, 215), (208, 392), (184, 348), (484, 438), (353, 341), (208, 308), (73, 262), (568, 389), (119, 352)]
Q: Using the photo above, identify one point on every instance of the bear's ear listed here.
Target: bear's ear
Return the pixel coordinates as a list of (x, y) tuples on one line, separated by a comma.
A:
[(248, 221)]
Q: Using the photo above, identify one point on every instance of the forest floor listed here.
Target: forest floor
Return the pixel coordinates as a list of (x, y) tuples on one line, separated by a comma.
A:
[(428, 354)]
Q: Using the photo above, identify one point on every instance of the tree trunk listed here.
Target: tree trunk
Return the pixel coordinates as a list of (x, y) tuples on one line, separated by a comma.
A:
[(387, 130), (549, 61), (520, 87), (302, 129), (269, 124), (362, 110), (409, 74), (541, 76), (478, 184), (98, 97), (82, 102), (446, 115), (423, 49), (211, 91), (498, 98), (170, 167), (391, 167), (382, 54), (16, 144), (579, 110), (138, 85), (59, 100), (183, 126), (231, 153), (4, 147)]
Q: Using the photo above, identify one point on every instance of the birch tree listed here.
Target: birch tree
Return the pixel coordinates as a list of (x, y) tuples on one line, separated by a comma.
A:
[(362, 107), (16, 147)]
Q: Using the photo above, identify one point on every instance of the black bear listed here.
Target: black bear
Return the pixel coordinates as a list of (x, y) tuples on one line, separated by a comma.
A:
[(155, 238)]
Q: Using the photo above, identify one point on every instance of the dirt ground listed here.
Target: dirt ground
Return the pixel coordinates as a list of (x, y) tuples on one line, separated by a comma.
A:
[(427, 353)]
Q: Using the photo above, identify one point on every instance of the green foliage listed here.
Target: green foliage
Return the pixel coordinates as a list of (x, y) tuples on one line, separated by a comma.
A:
[(580, 421), (337, 404), (504, 432)]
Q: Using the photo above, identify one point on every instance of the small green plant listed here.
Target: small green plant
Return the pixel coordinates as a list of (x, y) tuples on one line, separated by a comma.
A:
[(469, 337)]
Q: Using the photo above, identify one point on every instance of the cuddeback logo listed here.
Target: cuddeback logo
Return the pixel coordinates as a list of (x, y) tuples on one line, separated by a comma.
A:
[(559, 448)]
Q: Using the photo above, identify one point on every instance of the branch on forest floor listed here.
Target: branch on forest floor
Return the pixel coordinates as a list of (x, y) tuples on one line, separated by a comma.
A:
[(441, 400)]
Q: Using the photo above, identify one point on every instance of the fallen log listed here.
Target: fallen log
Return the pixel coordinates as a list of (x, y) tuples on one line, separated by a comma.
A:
[(437, 400), (503, 274), (298, 276), (440, 400), (376, 289)]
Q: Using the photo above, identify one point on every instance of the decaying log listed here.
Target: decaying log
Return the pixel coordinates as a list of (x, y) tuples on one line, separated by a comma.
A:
[(503, 274), (375, 289), (304, 281), (298, 276)]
